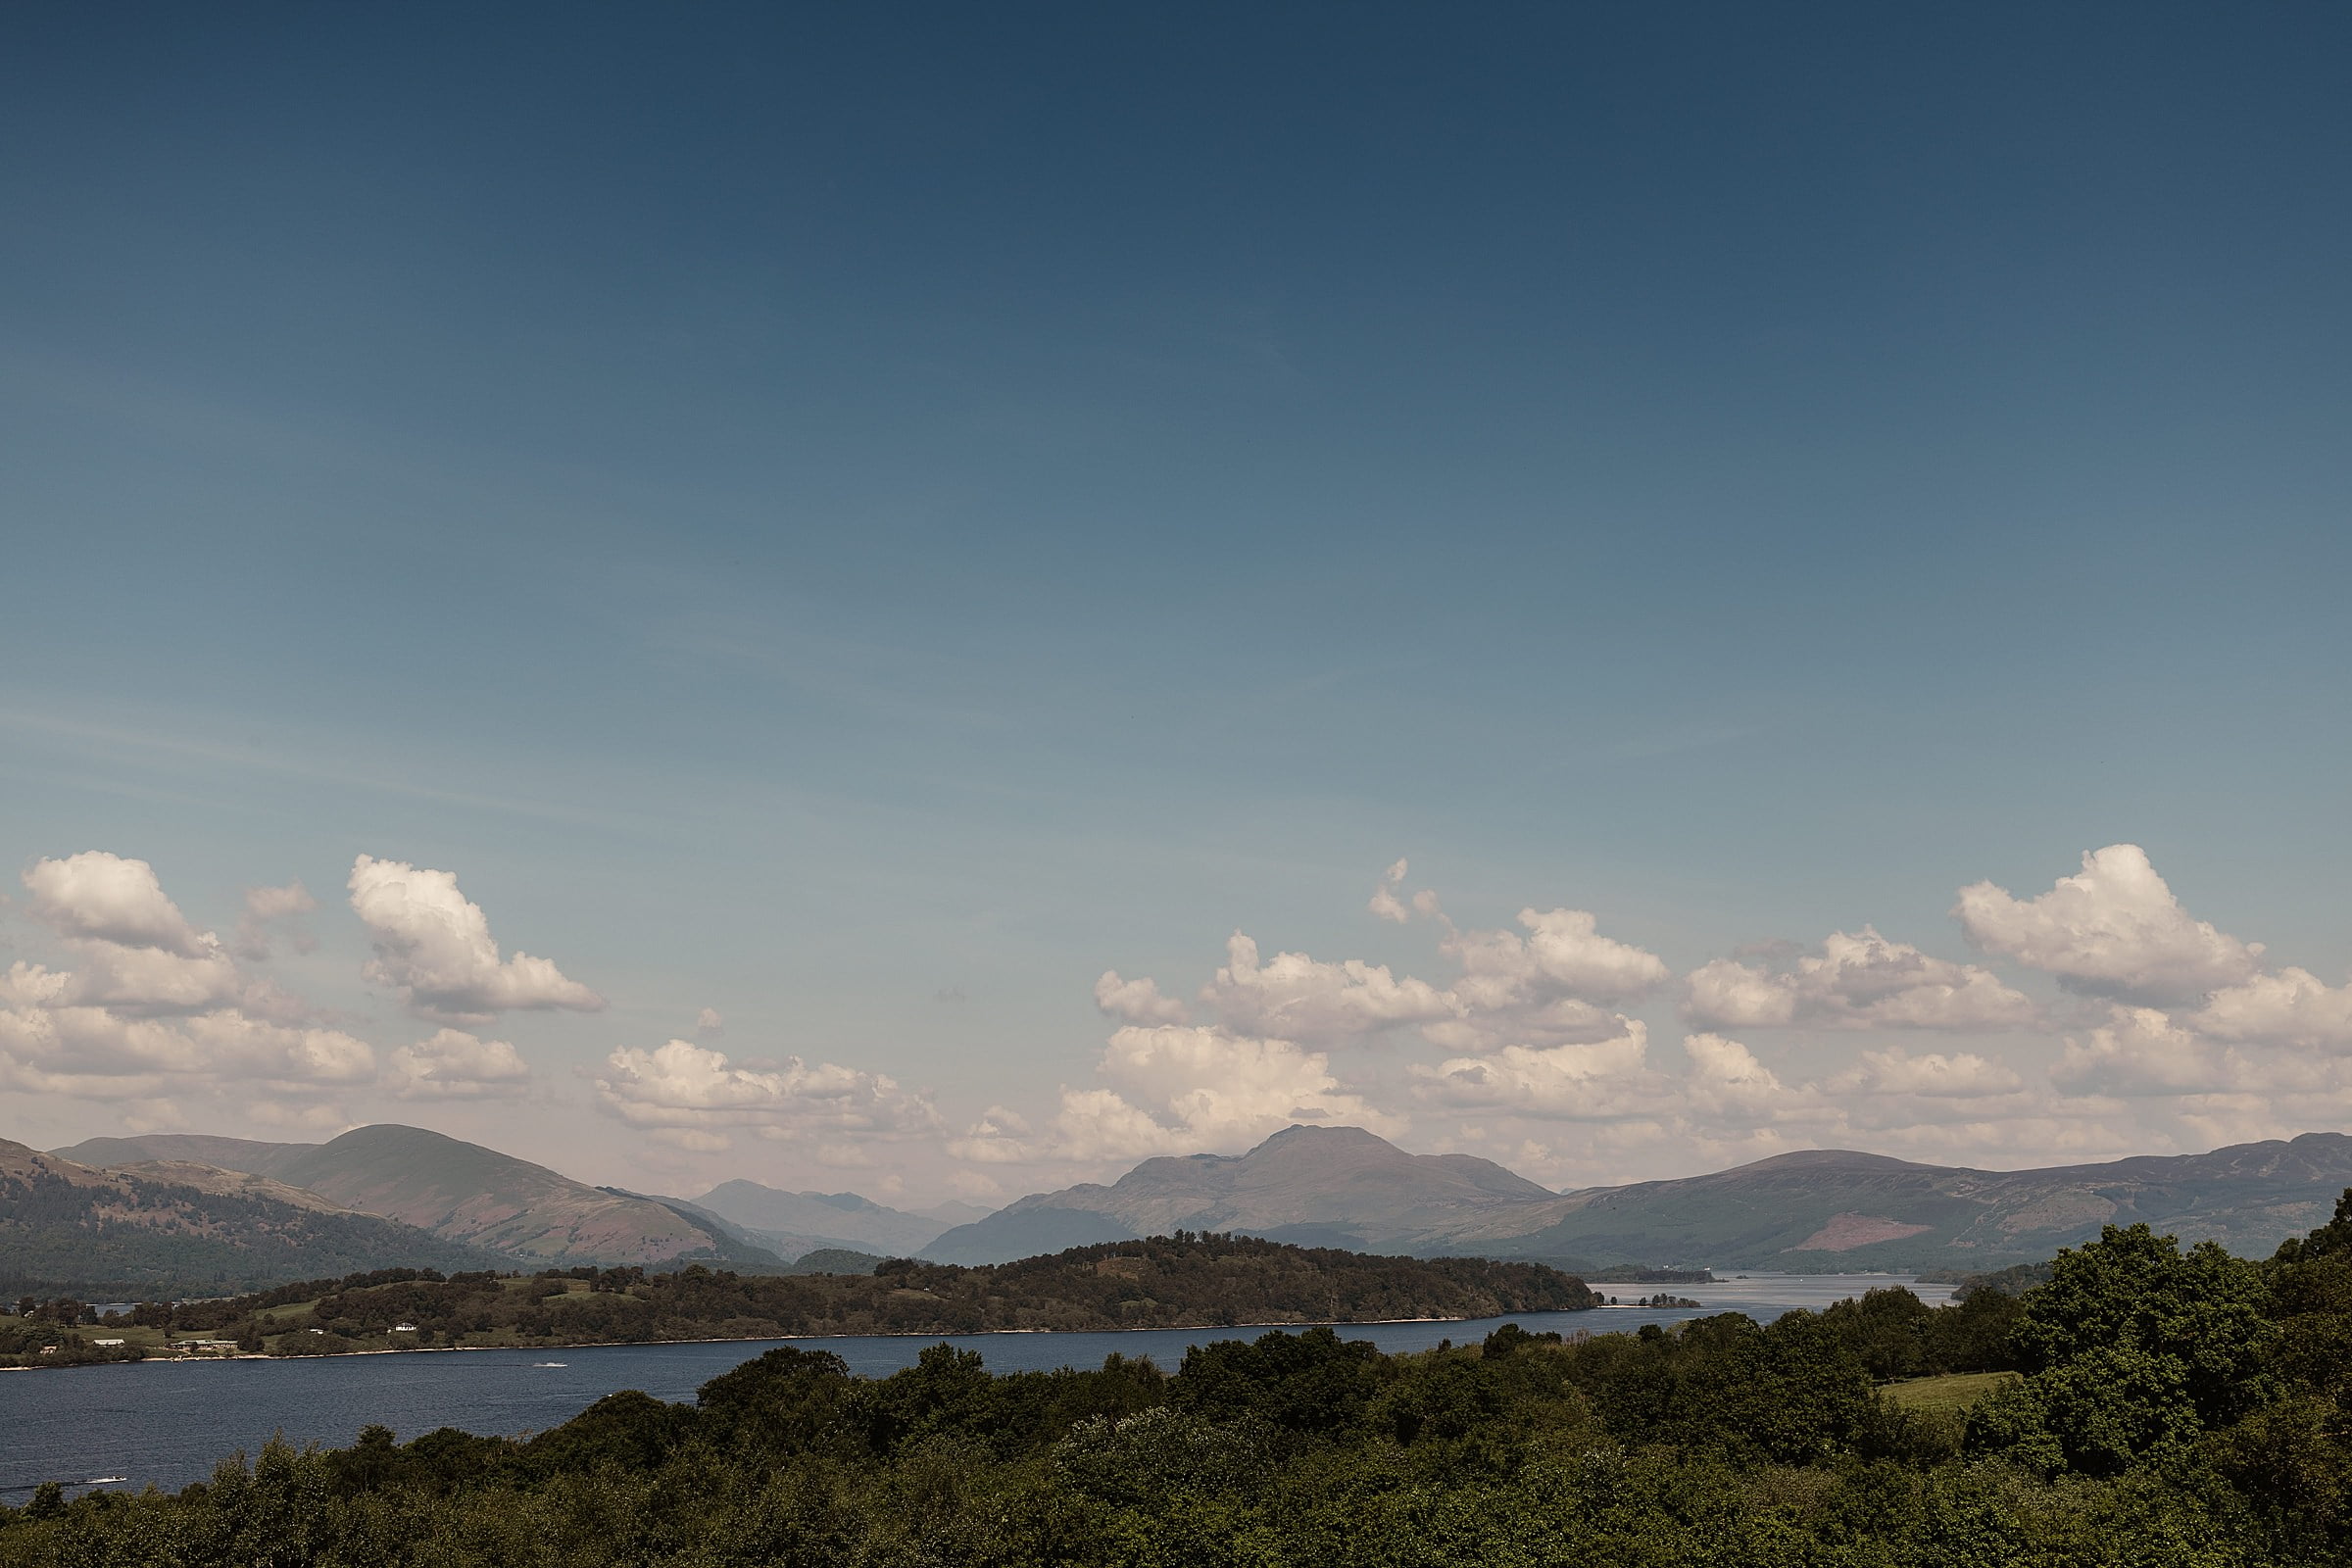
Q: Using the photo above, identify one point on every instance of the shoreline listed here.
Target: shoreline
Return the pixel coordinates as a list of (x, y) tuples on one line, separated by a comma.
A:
[(788, 1338), (765, 1339)]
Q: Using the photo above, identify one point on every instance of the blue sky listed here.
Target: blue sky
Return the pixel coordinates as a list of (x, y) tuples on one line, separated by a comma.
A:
[(866, 521)]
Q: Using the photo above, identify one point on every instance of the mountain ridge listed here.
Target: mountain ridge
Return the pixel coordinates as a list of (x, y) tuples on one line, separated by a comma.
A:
[(174, 1228), (465, 1193), (1808, 1209), (1322, 1185), (1336, 1187)]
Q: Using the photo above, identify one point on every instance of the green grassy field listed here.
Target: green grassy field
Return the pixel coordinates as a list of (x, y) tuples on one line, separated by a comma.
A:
[(1956, 1393)]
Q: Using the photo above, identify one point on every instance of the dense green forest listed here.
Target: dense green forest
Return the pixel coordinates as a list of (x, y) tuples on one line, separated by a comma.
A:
[(1187, 1280), (2149, 1406)]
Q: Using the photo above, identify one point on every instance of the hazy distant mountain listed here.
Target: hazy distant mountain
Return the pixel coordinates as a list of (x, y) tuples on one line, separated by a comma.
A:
[(170, 1228), (463, 1193), (1033, 1232), (788, 1245), (1837, 1209), (846, 1217), (1317, 1186), (1823, 1211)]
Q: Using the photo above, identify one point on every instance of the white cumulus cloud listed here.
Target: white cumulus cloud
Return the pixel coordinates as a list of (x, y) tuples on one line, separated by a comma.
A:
[(286, 1057), (154, 1009), (154, 981), (1562, 954), (1597, 1081), (108, 897), (1294, 997), (1104, 1124), (2115, 930), (1230, 1090), (2292, 1007), (1000, 1135), (1858, 980), (434, 946), (2141, 1052), (94, 1046), (683, 1084), (452, 1065), (1136, 1000), (1179, 1089), (1727, 1087)]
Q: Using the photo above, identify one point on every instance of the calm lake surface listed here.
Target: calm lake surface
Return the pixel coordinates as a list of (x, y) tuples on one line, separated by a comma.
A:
[(167, 1423)]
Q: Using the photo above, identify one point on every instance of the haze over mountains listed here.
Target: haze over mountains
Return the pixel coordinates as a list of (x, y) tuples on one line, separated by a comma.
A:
[(836, 1219), (195, 1208), (1317, 1186), (455, 1205), (1827, 1209)]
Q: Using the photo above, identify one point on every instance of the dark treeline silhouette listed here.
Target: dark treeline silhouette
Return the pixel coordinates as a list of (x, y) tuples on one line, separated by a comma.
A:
[(2162, 1407)]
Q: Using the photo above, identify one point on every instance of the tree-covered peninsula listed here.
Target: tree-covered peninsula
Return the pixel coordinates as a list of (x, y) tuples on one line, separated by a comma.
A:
[(1185, 1281)]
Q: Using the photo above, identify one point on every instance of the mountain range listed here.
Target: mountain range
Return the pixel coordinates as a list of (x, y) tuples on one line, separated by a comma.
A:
[(207, 1210), (494, 1203), (494, 1209), (1315, 1186), (1820, 1210)]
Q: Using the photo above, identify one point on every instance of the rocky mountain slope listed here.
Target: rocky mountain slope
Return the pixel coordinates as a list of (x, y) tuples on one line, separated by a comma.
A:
[(461, 1193), (1822, 1210), (167, 1229)]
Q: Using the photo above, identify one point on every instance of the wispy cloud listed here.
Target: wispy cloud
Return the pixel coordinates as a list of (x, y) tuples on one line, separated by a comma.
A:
[(151, 748)]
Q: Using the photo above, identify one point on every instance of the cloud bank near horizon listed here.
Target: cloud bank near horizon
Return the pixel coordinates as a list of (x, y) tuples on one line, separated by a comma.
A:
[(2152, 1030), (2096, 1018)]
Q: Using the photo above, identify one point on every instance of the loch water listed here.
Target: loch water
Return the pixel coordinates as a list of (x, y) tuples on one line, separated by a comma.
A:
[(167, 1423)]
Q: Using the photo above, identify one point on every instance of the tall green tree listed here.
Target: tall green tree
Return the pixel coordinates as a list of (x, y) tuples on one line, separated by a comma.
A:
[(2132, 1347)]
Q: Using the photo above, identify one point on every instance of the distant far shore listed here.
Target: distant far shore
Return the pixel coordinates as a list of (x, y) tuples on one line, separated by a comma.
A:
[(753, 1338)]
